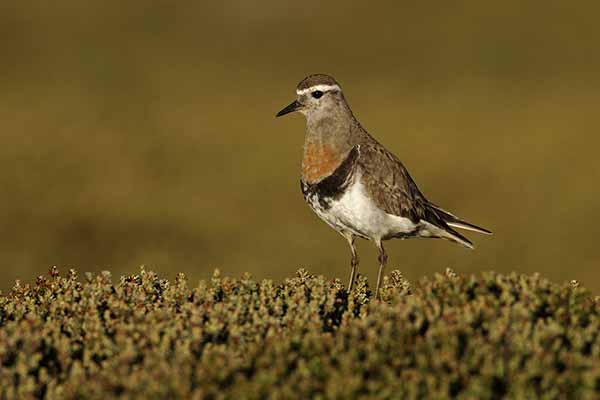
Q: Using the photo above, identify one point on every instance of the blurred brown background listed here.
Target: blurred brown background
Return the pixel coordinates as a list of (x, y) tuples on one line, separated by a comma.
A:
[(144, 132)]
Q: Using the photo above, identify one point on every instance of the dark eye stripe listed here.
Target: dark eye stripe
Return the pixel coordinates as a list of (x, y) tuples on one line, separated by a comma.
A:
[(317, 94)]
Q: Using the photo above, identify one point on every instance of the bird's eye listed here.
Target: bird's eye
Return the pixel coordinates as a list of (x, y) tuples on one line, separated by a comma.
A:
[(317, 94)]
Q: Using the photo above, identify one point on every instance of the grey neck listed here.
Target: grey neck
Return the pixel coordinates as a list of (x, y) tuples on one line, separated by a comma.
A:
[(334, 127)]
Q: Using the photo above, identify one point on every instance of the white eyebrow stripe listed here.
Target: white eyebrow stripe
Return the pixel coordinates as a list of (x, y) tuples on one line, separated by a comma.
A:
[(322, 88)]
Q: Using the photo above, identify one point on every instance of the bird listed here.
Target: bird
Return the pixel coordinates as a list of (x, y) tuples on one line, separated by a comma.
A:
[(356, 185)]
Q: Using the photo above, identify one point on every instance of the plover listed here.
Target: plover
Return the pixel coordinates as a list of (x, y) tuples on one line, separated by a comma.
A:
[(355, 184)]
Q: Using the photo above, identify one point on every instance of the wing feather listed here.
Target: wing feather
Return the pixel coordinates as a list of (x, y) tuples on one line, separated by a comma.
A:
[(389, 184), (393, 190)]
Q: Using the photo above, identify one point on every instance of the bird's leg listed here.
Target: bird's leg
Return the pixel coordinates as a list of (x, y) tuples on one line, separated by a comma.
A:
[(353, 262), (382, 263)]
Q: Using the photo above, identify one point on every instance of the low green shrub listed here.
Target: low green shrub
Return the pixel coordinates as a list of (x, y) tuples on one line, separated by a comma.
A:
[(489, 336)]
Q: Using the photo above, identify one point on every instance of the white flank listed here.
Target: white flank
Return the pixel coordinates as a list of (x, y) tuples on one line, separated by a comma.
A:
[(357, 213)]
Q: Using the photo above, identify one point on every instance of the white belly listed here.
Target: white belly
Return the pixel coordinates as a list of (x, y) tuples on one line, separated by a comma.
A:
[(354, 211)]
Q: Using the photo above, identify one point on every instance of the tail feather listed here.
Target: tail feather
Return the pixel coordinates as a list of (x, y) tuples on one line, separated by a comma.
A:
[(452, 220), (439, 229), (469, 227), (456, 237)]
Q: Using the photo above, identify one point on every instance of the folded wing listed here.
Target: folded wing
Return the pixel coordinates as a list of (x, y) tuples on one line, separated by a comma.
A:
[(393, 190)]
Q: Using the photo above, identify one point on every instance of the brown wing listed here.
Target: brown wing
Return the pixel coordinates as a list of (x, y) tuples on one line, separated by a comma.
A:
[(389, 184), (394, 191)]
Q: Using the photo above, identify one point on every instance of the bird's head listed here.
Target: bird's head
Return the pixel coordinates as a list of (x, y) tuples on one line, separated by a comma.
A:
[(316, 95)]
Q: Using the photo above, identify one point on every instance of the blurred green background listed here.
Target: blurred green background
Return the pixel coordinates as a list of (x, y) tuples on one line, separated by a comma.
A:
[(144, 132)]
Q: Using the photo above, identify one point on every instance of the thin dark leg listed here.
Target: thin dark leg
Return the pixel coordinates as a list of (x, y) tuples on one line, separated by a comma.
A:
[(353, 262), (382, 262)]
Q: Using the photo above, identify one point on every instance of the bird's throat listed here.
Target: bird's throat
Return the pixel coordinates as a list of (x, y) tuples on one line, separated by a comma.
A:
[(320, 160), (326, 144)]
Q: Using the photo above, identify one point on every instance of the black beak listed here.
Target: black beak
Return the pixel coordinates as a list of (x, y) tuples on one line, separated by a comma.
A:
[(291, 108)]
